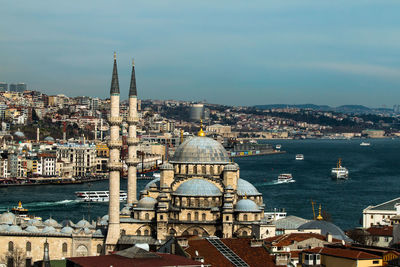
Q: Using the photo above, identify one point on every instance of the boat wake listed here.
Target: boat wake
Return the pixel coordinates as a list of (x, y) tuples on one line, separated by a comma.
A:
[(37, 206), (283, 182), (274, 182)]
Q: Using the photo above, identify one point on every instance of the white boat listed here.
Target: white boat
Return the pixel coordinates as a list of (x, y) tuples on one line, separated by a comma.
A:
[(278, 146), (98, 196), (340, 172), (299, 157), (285, 178), (365, 144)]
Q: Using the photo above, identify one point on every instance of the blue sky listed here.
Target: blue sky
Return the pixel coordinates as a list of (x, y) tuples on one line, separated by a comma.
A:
[(229, 52)]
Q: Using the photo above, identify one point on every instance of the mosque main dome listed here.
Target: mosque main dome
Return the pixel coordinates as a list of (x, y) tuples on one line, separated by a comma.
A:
[(200, 150)]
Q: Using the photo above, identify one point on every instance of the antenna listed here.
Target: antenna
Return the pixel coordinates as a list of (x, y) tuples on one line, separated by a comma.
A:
[(313, 211)]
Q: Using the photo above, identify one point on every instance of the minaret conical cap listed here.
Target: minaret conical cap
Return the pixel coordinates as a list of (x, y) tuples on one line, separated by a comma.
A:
[(114, 81), (132, 88)]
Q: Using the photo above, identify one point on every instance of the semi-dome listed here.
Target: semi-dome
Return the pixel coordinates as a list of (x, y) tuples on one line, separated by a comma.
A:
[(197, 187), (32, 229), (247, 205), (155, 182), (7, 218), (147, 203), (67, 230), (51, 222), (244, 188), (325, 227), (200, 150)]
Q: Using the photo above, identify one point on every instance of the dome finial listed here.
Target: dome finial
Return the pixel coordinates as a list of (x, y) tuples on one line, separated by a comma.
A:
[(319, 217), (201, 132), (115, 55)]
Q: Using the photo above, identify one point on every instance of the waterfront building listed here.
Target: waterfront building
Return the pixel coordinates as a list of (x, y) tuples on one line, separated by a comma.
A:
[(82, 156), (381, 214), (380, 236)]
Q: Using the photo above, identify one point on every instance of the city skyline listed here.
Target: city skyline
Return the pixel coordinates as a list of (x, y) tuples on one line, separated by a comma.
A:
[(237, 54)]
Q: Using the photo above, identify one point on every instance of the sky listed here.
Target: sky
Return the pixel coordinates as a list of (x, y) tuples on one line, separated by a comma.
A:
[(227, 52)]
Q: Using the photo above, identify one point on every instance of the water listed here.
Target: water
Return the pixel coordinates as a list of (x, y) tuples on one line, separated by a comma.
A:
[(374, 175)]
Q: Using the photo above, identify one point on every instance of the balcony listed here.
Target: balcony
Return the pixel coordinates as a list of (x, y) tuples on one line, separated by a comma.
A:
[(115, 120)]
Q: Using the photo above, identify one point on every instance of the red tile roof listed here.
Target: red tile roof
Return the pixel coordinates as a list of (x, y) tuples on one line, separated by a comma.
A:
[(119, 261), (343, 253), (381, 231), (208, 251), (288, 239)]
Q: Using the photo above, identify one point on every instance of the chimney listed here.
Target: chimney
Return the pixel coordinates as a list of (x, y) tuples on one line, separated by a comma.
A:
[(37, 135), (329, 237)]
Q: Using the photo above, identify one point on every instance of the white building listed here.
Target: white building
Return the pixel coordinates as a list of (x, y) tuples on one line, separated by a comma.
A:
[(381, 213), (82, 156)]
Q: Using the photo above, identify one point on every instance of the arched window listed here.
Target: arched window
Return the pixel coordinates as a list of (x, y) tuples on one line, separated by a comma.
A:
[(197, 202), (28, 246), (203, 216), (196, 216), (244, 233), (245, 217), (146, 232), (64, 248), (123, 232), (172, 232), (10, 246), (204, 169), (256, 217), (99, 248), (185, 233), (195, 232), (189, 217), (138, 232), (206, 202), (146, 216)]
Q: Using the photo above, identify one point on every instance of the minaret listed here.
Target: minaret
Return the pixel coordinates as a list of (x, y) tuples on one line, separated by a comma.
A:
[(132, 160), (114, 164)]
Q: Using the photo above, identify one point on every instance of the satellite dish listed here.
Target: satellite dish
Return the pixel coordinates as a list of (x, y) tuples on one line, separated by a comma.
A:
[(197, 253)]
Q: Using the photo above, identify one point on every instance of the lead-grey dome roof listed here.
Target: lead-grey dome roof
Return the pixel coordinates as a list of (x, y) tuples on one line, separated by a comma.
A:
[(147, 203), (326, 227), (244, 188), (200, 150), (197, 187), (247, 205), (156, 182), (67, 230), (7, 218), (32, 229)]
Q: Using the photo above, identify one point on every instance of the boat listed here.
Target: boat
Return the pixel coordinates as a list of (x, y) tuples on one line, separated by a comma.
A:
[(299, 157), (285, 178), (147, 176), (365, 144), (340, 172), (98, 196), (22, 213), (278, 146)]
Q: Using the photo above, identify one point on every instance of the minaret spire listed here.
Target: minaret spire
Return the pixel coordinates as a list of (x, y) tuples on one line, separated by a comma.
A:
[(114, 81), (132, 88)]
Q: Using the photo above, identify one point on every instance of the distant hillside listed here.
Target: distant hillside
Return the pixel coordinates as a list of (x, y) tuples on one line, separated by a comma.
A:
[(302, 106), (342, 109)]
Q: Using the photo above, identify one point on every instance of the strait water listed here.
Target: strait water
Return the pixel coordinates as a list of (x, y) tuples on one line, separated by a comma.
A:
[(374, 178)]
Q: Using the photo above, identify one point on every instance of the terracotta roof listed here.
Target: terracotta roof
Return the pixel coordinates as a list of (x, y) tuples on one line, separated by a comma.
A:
[(288, 239), (381, 231), (343, 253), (119, 261), (253, 256)]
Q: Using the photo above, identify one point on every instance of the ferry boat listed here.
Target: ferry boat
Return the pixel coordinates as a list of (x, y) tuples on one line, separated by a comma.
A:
[(365, 144), (340, 172), (146, 176), (22, 213), (278, 146), (299, 157), (285, 178), (98, 196)]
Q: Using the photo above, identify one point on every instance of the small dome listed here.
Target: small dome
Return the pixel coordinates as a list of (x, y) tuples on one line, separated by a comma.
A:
[(35, 222), (245, 188), (51, 222), (155, 182), (32, 229), (7, 218), (87, 231), (14, 229), (167, 166), (98, 233), (230, 167), (326, 227), (104, 218), (197, 187), (247, 205), (147, 203), (49, 139), (83, 223), (202, 150), (67, 230), (3, 227), (19, 134), (49, 230), (125, 211), (69, 223)]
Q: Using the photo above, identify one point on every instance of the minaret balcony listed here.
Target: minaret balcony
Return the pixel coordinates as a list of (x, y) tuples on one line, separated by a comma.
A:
[(115, 121), (132, 120), (132, 162), (114, 144), (115, 166), (132, 141)]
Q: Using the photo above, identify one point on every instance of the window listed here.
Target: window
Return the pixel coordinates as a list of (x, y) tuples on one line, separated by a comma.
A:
[(372, 216), (146, 216), (189, 217), (146, 232), (28, 246), (195, 232), (64, 248), (10, 246), (386, 239), (227, 218), (161, 217), (99, 248), (244, 233), (245, 217), (375, 262), (196, 216), (138, 232), (28, 262), (203, 216)]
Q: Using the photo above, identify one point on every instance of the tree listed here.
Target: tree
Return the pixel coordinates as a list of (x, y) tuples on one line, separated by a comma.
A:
[(15, 256)]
